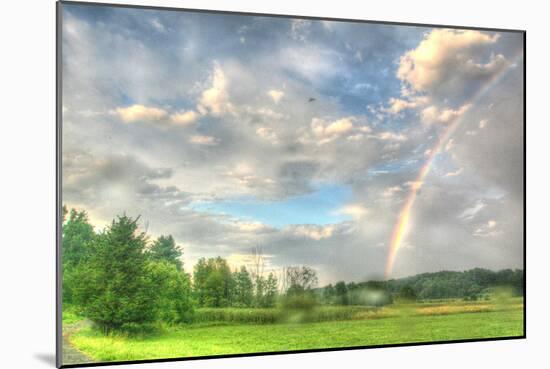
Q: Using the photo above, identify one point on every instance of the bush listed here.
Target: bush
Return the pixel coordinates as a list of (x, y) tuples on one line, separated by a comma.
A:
[(304, 301)]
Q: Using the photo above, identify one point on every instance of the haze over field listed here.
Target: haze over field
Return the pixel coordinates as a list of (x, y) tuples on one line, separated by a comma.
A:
[(303, 137)]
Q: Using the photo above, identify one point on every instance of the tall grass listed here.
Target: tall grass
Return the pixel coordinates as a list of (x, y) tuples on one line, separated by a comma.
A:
[(277, 315)]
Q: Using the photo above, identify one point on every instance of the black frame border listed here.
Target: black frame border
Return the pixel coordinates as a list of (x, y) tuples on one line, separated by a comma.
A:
[(58, 147)]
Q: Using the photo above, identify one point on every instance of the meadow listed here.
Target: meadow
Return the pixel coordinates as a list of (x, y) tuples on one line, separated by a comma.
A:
[(227, 331)]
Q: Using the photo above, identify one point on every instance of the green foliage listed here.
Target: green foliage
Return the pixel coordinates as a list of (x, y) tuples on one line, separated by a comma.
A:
[(271, 291), (301, 278), (77, 237), (328, 295), (243, 295), (165, 248), (70, 315), (173, 298), (265, 291), (341, 293), (468, 285), (76, 243), (299, 300), (407, 293), (236, 315), (114, 288), (213, 282), (275, 315), (300, 294)]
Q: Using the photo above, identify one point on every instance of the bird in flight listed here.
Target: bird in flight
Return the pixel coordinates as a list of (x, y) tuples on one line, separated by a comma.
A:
[(311, 99)]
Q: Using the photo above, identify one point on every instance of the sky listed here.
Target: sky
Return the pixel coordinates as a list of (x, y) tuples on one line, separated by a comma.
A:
[(304, 138)]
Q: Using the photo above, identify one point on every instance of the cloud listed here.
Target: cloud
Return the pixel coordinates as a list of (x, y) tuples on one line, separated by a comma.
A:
[(488, 229), (276, 95), (251, 226), (267, 134), (433, 114), (315, 63), (356, 211), (299, 29), (391, 191), (390, 136), (155, 22), (450, 144), (215, 100), (140, 113), (472, 211), (328, 131), (445, 59), (184, 118), (241, 141), (314, 232), (455, 173), (398, 105), (203, 140)]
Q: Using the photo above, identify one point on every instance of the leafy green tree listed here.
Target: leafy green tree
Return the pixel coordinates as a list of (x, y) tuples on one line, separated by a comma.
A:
[(201, 272), (77, 235), (259, 291), (271, 290), (301, 278), (173, 302), (244, 288), (165, 248), (341, 293), (115, 289), (213, 282), (299, 294), (76, 243)]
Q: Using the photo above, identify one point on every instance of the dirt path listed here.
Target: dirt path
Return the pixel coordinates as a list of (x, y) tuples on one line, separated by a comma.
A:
[(72, 355)]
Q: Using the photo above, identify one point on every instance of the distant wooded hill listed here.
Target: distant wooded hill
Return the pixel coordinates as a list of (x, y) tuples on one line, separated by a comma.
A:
[(470, 285)]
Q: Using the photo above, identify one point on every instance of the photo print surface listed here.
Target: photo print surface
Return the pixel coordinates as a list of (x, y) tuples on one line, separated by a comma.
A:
[(240, 184)]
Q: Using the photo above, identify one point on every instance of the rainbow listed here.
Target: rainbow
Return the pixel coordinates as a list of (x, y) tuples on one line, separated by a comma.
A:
[(401, 227)]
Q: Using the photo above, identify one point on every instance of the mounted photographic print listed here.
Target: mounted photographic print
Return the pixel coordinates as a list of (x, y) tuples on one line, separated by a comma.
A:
[(242, 184)]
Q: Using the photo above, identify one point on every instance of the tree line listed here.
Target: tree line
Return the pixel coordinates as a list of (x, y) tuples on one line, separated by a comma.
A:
[(120, 279), (473, 284)]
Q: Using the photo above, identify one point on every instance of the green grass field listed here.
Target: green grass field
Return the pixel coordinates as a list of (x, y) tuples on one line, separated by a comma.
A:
[(415, 323)]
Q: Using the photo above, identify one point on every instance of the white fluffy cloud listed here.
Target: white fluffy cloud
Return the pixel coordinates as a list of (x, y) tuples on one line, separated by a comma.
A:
[(433, 114), (184, 117), (398, 105), (139, 113), (444, 51), (314, 232), (326, 131), (356, 211), (215, 100)]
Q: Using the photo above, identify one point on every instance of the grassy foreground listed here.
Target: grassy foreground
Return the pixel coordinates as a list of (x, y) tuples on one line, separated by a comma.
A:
[(437, 322)]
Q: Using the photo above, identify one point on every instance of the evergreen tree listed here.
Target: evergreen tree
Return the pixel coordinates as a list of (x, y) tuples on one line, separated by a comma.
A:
[(165, 248), (116, 290)]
